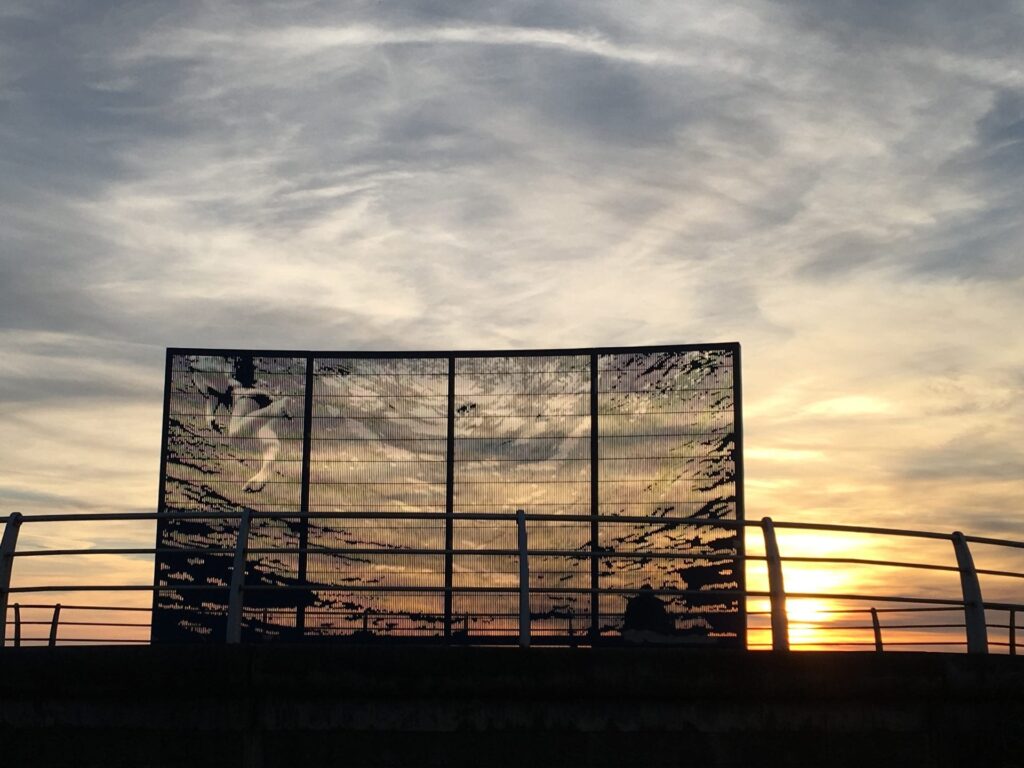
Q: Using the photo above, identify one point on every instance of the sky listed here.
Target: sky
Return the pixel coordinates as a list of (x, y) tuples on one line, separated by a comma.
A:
[(834, 184)]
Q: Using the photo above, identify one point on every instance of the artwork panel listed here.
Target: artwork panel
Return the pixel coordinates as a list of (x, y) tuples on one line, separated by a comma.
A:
[(378, 446)]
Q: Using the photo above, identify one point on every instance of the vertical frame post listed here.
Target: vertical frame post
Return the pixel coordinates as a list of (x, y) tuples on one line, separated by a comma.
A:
[(776, 587), (162, 524), (741, 514), (524, 580), (1013, 631), (234, 628), (17, 625), (7, 546), (877, 627), (449, 501), (595, 500), (974, 606), (54, 624), (307, 449)]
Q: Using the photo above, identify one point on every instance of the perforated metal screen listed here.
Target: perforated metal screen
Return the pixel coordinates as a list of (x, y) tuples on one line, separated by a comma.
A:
[(622, 460)]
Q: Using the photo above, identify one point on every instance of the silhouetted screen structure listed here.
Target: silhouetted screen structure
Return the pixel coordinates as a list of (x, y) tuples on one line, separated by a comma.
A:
[(405, 448)]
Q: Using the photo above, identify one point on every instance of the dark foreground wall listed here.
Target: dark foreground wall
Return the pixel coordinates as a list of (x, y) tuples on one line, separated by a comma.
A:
[(335, 706)]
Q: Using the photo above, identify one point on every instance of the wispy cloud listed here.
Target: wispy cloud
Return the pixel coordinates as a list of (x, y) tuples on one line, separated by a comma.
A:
[(836, 185)]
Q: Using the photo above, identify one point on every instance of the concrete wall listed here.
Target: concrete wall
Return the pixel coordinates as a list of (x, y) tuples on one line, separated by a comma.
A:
[(395, 706)]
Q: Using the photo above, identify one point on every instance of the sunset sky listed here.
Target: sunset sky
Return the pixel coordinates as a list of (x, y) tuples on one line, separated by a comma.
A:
[(835, 185)]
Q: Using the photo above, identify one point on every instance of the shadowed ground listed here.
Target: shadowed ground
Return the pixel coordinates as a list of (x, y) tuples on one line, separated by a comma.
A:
[(418, 706)]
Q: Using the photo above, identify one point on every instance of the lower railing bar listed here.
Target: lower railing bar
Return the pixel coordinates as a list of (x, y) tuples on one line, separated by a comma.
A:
[(504, 590), (837, 627), (87, 607), (574, 554), (568, 554), (490, 590), (129, 551), (66, 640), (804, 623), (123, 588), (882, 598), (513, 590), (863, 561), (866, 642), (85, 623), (868, 610)]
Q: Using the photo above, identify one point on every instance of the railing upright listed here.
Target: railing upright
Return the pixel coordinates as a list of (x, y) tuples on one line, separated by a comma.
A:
[(974, 606), (234, 628), (524, 580), (776, 587), (1013, 632), (877, 627), (54, 625), (17, 625), (7, 547)]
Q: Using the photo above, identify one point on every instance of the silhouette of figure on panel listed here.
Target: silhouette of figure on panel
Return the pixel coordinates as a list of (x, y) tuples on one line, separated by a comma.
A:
[(646, 619)]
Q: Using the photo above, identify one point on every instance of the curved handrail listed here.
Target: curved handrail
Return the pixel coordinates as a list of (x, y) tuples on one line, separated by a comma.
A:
[(893, 604)]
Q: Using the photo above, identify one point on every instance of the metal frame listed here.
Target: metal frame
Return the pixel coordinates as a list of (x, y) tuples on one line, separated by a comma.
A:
[(776, 587), (593, 354), (8, 545), (595, 500), (449, 499), (974, 605), (307, 438)]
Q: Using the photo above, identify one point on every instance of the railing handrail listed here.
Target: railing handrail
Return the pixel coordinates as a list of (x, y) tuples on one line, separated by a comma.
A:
[(511, 516), (970, 601)]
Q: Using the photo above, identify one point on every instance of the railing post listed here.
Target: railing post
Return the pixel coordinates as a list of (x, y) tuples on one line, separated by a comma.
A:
[(776, 587), (54, 624), (974, 606), (878, 629), (524, 581), (234, 630), (1013, 632), (17, 625), (7, 546)]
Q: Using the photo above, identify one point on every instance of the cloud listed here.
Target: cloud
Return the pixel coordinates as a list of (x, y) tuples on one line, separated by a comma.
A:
[(836, 185)]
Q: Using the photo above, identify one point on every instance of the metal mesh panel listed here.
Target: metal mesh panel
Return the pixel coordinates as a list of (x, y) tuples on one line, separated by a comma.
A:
[(407, 451), (233, 441), (667, 449), (522, 432), (378, 444)]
